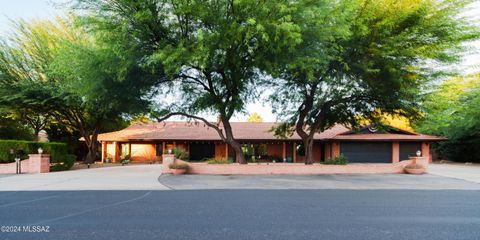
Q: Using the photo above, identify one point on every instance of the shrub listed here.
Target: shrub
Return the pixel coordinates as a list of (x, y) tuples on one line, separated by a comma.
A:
[(219, 161), (338, 160), (180, 153), (59, 157), (178, 166), (65, 164)]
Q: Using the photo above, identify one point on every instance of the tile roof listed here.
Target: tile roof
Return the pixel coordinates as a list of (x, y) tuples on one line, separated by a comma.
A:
[(241, 130)]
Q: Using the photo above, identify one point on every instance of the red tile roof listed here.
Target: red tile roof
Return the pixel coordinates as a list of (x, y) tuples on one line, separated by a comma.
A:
[(241, 131)]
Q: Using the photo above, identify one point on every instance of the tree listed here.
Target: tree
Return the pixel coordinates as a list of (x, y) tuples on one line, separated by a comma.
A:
[(363, 59), (453, 110), (255, 117), (82, 81), (11, 128), (209, 50)]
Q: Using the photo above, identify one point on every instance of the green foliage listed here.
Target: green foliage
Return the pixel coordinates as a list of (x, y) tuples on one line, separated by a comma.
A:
[(255, 117), (219, 161), (209, 50), (84, 80), (338, 160), (59, 157), (12, 128), (64, 163), (453, 111), (180, 153), (178, 166), (362, 60)]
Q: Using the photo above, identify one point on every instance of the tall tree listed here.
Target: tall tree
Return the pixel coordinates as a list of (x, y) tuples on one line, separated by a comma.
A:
[(83, 82), (209, 50), (453, 110), (363, 59)]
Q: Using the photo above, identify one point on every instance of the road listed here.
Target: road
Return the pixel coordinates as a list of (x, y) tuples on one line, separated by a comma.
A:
[(243, 214)]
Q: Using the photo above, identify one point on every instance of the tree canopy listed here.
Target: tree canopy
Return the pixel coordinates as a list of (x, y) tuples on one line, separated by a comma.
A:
[(453, 110), (255, 117), (209, 50), (363, 60), (61, 70)]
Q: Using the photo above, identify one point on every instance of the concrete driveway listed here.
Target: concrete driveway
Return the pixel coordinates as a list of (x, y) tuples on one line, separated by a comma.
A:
[(335, 181), (133, 177), (457, 170), (149, 177)]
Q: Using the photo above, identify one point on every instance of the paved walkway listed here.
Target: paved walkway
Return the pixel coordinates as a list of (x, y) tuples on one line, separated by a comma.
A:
[(456, 170), (134, 177)]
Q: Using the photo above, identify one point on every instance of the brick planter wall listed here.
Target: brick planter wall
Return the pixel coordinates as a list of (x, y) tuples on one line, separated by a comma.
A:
[(291, 168), (37, 163)]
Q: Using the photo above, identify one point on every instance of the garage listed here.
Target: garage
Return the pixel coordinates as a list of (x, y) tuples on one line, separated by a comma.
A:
[(201, 151), (408, 149), (371, 152)]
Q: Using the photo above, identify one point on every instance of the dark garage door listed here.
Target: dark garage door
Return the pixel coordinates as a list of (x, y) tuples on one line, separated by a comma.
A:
[(409, 149), (376, 152), (201, 151)]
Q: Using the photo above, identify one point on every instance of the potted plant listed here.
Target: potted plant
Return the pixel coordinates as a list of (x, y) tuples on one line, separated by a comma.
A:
[(415, 168), (125, 159), (178, 168)]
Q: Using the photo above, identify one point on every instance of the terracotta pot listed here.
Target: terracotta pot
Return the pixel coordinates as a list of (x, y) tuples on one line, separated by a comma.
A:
[(178, 171), (415, 170)]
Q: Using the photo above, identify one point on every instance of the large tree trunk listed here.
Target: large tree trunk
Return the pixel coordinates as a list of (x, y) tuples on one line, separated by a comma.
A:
[(233, 143), (92, 153), (308, 145), (92, 147)]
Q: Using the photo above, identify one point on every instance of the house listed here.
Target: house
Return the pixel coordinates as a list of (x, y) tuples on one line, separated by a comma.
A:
[(148, 141)]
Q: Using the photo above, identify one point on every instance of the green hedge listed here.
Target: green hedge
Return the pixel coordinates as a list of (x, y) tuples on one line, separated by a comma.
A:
[(59, 156), (338, 160)]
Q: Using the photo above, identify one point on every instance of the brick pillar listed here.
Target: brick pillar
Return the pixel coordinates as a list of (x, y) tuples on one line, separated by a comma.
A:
[(226, 151), (104, 151), (395, 152), (167, 159), (426, 151), (294, 152), (335, 149), (115, 152), (38, 163), (327, 151)]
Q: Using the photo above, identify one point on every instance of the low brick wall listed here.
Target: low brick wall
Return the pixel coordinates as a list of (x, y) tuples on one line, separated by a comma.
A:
[(12, 167), (291, 168), (36, 163)]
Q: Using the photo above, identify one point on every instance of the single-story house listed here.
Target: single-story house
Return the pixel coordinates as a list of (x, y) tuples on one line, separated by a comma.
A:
[(148, 141)]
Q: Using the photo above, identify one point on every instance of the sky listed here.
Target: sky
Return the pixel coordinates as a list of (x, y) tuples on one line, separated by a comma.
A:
[(48, 9)]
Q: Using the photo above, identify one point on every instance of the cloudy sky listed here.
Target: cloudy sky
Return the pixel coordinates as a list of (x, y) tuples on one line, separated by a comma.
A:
[(42, 9)]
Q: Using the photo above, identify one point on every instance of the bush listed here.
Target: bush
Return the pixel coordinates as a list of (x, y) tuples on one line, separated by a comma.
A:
[(64, 164), (180, 153), (338, 160), (219, 161), (178, 166), (59, 157)]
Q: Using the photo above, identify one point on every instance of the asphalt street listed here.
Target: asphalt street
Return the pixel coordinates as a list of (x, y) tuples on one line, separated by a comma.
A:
[(241, 214)]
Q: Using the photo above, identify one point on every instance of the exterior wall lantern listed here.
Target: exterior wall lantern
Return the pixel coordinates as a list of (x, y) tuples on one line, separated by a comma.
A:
[(419, 153)]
